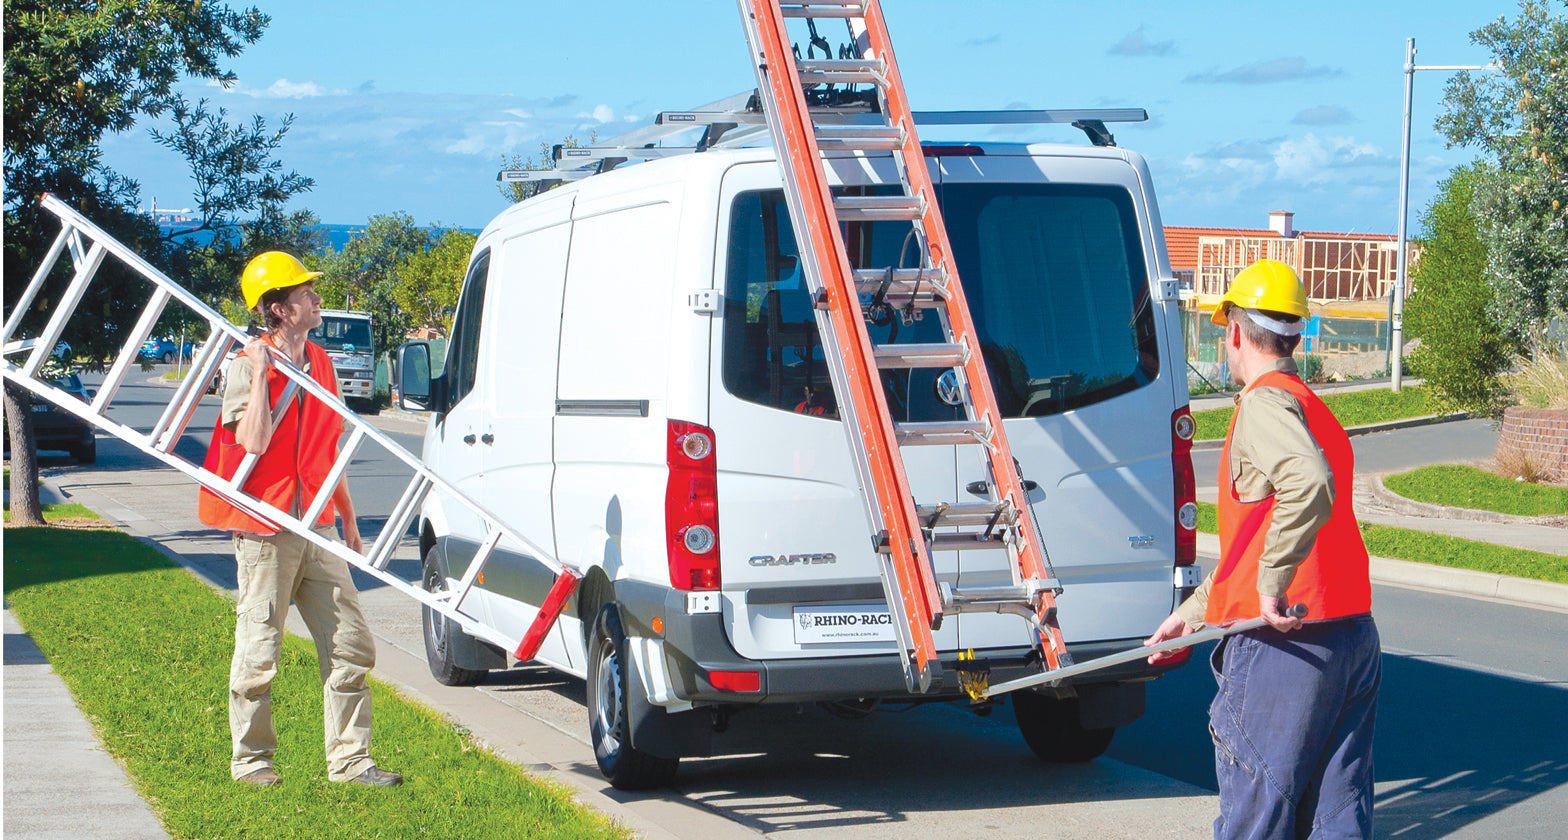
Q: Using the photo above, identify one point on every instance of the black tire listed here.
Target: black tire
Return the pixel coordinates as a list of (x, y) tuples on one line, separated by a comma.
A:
[(609, 726), (87, 453), (1052, 729), (168, 357), (441, 632)]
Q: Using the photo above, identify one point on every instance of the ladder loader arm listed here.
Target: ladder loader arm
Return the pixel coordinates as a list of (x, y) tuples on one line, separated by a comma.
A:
[(88, 247)]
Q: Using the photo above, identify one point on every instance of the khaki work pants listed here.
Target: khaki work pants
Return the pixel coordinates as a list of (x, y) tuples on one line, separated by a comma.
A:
[(272, 571)]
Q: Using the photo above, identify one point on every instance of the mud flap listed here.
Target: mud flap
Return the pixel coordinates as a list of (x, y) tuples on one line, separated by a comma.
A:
[(658, 731), (1110, 705)]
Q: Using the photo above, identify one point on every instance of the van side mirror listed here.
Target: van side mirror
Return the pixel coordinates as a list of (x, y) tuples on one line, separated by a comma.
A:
[(416, 390)]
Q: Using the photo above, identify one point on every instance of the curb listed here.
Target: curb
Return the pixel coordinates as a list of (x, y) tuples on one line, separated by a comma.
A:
[(1411, 507), (1353, 431)]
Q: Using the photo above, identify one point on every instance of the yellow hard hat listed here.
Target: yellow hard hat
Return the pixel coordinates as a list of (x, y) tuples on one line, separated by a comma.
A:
[(1266, 284), (272, 270)]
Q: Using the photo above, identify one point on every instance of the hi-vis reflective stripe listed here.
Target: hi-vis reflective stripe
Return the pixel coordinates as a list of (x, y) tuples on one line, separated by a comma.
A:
[(88, 247), (904, 538)]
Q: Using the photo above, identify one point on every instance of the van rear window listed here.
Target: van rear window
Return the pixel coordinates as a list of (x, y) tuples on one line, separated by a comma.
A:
[(1055, 278)]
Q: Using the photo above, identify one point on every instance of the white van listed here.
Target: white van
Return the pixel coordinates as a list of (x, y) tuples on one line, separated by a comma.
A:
[(635, 354)]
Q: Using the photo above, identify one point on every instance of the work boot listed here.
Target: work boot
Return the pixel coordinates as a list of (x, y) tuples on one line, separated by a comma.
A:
[(377, 777), (265, 777)]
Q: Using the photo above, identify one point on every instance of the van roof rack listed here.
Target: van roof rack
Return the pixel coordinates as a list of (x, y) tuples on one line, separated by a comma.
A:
[(737, 121)]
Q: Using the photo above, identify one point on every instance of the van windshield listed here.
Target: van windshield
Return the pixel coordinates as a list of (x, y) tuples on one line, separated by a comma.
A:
[(349, 335), (1055, 278)]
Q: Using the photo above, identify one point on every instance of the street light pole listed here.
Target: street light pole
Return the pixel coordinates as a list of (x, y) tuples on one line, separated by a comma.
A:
[(1396, 338)]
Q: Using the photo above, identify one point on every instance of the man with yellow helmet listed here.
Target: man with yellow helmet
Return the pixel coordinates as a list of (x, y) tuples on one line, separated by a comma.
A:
[(1292, 721), (295, 447)]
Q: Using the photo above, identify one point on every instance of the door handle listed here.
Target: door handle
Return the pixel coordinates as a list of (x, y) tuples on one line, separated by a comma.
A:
[(487, 438), (982, 488), (469, 438)]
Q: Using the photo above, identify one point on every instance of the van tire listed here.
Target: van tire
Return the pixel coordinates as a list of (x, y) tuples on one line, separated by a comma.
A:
[(441, 633), (609, 718), (1052, 729)]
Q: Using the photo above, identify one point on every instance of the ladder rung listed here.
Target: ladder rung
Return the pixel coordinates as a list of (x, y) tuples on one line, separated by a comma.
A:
[(823, 9), (869, 138), (1011, 593), (903, 356), (977, 513), (961, 541), (853, 71), (930, 292), (941, 434), (879, 208)]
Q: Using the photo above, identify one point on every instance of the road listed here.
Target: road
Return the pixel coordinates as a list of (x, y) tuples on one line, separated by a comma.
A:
[(1468, 746)]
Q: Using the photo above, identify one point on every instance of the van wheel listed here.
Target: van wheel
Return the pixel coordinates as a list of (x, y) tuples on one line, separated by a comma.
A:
[(609, 724), (441, 632), (1052, 729)]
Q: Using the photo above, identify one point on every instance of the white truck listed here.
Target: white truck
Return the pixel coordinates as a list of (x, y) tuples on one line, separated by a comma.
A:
[(636, 334), (347, 338)]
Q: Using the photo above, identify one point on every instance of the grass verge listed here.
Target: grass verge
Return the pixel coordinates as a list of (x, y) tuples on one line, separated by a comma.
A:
[(1469, 487), (67, 512), (1352, 408), (145, 647), (1439, 550)]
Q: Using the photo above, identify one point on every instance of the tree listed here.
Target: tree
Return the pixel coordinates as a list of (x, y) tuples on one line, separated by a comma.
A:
[(1463, 351), (428, 282), (1516, 112), (362, 276), (76, 70)]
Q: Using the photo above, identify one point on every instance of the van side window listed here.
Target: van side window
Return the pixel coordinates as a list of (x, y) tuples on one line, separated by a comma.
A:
[(1055, 278), (462, 352)]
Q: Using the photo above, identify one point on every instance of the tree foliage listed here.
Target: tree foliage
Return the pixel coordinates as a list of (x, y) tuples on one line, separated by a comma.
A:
[(517, 191), (1463, 351), (1516, 113), (428, 282), (363, 275)]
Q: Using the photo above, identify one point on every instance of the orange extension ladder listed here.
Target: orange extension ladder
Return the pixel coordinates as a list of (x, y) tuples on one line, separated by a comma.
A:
[(905, 530)]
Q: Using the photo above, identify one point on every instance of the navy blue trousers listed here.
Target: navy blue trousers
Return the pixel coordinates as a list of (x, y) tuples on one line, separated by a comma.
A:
[(1292, 725)]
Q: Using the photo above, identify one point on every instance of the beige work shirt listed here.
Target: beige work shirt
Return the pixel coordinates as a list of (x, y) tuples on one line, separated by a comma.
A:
[(1272, 453)]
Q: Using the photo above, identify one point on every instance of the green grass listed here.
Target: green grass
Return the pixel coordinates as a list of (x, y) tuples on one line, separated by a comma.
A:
[(145, 649), (1352, 408), (1469, 487), (1439, 550), (54, 513)]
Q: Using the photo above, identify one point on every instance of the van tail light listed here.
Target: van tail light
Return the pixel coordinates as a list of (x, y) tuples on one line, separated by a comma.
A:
[(736, 680), (691, 507), (1182, 429)]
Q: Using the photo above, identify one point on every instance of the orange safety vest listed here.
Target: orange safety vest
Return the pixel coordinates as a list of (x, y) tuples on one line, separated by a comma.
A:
[(294, 467), (1333, 580)]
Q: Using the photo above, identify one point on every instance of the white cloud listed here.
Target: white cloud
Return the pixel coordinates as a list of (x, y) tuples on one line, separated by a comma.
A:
[(282, 89), (1311, 159), (604, 113)]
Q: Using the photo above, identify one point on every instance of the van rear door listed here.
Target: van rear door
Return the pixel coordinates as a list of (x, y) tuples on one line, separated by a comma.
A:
[(1056, 260)]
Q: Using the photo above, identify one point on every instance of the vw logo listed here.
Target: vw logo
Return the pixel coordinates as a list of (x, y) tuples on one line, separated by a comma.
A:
[(948, 390)]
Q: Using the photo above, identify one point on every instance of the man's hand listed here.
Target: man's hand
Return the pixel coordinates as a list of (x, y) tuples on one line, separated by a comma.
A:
[(1173, 627), (1275, 611), (351, 536), (260, 354)]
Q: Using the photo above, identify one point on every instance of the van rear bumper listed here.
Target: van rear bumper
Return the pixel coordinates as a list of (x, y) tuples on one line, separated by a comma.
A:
[(696, 645)]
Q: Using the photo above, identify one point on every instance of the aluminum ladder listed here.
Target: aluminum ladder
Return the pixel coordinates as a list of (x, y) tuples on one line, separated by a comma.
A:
[(904, 529), (88, 247)]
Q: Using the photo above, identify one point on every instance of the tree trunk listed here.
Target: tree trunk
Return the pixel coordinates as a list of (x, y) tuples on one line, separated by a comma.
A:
[(25, 507)]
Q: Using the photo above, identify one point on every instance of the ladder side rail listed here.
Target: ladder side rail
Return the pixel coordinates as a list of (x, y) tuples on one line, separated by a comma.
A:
[(187, 398), (22, 304), (860, 393), (130, 350), (69, 300)]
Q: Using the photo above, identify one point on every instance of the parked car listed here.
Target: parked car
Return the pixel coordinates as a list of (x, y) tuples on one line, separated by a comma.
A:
[(164, 350), (58, 430)]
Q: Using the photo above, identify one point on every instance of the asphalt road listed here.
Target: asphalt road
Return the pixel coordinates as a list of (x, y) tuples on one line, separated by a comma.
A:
[(1469, 742)]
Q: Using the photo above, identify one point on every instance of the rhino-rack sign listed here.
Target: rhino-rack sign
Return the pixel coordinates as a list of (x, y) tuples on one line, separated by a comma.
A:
[(815, 625)]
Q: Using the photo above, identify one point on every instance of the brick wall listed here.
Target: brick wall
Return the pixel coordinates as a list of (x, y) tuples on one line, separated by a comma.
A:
[(1540, 433)]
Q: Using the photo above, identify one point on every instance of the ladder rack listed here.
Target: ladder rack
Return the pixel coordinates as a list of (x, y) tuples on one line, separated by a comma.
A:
[(88, 247), (738, 121)]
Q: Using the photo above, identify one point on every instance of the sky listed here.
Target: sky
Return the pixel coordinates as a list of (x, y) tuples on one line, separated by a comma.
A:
[(1253, 107)]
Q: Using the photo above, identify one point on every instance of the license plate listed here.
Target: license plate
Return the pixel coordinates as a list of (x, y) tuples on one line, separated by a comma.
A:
[(816, 625), (42, 408)]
